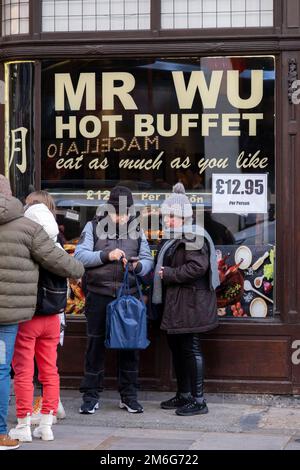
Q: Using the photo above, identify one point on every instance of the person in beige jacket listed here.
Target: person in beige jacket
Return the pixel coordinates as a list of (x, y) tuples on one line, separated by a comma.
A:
[(24, 246)]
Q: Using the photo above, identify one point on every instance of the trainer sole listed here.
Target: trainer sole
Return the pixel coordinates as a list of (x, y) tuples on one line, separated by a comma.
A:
[(200, 412), (130, 410), (89, 412), (9, 447)]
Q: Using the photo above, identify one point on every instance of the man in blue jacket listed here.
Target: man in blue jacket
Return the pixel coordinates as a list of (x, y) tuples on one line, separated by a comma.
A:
[(104, 250)]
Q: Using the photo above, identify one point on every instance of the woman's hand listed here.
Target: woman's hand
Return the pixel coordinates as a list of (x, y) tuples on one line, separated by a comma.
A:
[(161, 272), (117, 255)]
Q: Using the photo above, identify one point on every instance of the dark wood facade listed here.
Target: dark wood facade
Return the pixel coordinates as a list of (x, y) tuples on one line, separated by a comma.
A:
[(242, 355)]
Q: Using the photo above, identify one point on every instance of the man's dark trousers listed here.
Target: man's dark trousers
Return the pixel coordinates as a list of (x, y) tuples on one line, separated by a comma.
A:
[(128, 360)]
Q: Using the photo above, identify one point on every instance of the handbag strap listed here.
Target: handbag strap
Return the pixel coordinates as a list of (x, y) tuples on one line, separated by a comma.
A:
[(125, 283), (138, 287), (125, 288)]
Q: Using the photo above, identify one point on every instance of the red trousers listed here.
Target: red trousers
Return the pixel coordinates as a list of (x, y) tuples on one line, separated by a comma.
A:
[(37, 338)]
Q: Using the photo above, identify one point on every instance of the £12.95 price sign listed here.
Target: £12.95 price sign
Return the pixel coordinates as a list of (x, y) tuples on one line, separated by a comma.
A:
[(240, 193)]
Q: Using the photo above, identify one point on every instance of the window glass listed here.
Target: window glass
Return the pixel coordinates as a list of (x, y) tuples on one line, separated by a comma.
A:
[(207, 122), (95, 15), (216, 13), (15, 17)]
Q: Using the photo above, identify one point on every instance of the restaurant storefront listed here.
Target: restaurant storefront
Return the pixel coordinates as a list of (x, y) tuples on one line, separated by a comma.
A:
[(203, 96)]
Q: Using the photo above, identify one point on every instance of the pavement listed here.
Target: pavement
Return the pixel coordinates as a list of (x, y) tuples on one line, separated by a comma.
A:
[(234, 422)]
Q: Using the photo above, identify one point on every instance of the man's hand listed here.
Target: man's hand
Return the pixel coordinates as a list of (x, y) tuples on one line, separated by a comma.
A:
[(116, 255)]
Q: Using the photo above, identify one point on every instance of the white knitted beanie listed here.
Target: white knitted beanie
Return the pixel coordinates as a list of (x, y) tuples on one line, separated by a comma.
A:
[(178, 203)]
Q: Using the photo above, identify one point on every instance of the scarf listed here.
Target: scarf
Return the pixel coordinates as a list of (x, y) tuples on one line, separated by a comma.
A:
[(190, 232)]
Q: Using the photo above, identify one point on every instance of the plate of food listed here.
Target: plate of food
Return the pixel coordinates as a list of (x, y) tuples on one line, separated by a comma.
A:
[(243, 257), (231, 290)]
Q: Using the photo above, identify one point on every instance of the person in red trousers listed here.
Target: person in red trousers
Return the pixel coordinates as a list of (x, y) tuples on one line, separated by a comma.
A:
[(38, 338)]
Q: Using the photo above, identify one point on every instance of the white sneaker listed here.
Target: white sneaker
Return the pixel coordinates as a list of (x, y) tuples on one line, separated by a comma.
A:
[(44, 430), (61, 414), (22, 431)]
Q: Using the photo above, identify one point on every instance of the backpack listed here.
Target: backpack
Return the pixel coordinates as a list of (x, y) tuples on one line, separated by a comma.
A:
[(126, 319), (52, 294)]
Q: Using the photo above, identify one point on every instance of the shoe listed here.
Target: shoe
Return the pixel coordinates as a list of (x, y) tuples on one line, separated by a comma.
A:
[(89, 407), (60, 414), (22, 431), (44, 430), (131, 405), (6, 443), (176, 402), (36, 414), (192, 408)]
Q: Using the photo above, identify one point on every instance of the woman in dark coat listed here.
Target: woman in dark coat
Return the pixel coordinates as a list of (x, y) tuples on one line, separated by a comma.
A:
[(185, 279)]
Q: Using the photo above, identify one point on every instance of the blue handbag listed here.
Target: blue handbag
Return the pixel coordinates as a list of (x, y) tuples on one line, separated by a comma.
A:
[(126, 319)]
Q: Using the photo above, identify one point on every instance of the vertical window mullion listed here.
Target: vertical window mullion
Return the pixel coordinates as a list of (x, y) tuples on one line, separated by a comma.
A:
[(109, 13), (155, 15), (124, 15)]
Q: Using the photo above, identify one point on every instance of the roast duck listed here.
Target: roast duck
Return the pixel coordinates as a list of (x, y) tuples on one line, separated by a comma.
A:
[(231, 286)]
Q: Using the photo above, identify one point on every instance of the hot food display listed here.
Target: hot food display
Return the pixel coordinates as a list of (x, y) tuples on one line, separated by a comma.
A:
[(247, 281)]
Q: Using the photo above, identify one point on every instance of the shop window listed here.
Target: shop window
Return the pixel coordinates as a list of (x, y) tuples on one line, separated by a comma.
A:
[(15, 17), (206, 122), (95, 15), (184, 14)]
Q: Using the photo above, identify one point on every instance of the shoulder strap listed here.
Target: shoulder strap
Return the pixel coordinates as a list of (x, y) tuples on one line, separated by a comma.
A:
[(94, 225), (139, 244)]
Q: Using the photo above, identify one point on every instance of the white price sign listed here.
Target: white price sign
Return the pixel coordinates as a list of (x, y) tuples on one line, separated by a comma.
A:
[(240, 193)]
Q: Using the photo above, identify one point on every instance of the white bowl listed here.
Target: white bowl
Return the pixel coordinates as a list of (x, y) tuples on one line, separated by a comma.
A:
[(258, 308), (243, 252)]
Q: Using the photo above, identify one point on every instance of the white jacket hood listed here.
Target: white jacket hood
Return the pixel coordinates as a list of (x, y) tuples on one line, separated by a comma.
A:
[(40, 214)]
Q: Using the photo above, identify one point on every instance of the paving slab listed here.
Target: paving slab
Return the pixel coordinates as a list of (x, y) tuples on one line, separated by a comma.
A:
[(243, 441), (140, 443), (228, 425), (282, 418), (66, 439)]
